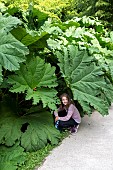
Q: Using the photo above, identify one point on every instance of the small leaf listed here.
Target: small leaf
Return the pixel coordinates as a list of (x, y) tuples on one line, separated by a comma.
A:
[(53, 44), (111, 36)]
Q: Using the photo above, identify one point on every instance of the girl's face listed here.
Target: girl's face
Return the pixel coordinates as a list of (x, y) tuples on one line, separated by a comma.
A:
[(64, 101)]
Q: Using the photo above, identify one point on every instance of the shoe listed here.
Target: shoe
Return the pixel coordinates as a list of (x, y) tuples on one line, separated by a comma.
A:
[(73, 130)]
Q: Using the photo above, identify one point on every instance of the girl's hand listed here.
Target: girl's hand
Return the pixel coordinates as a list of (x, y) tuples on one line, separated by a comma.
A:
[(56, 118)]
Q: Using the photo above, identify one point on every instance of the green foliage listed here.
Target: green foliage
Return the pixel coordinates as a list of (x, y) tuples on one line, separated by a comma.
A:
[(85, 79), (11, 157), (37, 78), (86, 33), (103, 9), (30, 37), (39, 130), (12, 52), (7, 23), (36, 74), (90, 35), (75, 56), (33, 130), (36, 158), (53, 8), (1, 74)]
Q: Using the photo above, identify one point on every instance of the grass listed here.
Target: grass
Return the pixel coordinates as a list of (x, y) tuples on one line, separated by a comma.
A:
[(35, 159)]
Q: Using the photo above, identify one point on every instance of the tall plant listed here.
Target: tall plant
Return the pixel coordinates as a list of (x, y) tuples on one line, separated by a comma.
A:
[(41, 60), (92, 62), (103, 9), (31, 75)]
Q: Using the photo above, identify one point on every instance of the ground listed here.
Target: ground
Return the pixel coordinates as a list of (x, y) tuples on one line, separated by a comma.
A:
[(91, 148)]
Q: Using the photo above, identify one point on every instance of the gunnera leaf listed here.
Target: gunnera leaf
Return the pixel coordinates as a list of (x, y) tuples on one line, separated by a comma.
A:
[(1, 79), (38, 79), (12, 52), (32, 131), (7, 23), (10, 157), (85, 79), (39, 131), (10, 122)]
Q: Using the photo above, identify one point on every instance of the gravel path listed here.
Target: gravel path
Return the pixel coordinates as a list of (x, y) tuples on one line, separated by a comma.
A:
[(90, 149)]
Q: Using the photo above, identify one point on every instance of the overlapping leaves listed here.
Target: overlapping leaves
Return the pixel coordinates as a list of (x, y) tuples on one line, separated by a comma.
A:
[(11, 157), (39, 131), (33, 130), (7, 23), (85, 79), (38, 75), (32, 38), (12, 52)]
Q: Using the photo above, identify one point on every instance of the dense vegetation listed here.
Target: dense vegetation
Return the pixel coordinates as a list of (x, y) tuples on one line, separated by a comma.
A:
[(42, 54)]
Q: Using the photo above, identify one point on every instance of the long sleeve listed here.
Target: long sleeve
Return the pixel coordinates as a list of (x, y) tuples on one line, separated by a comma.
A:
[(72, 112), (56, 112)]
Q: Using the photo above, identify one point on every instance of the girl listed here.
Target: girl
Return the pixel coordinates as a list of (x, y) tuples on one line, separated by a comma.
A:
[(71, 118)]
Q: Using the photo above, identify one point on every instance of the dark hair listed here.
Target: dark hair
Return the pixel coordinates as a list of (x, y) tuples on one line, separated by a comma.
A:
[(69, 100)]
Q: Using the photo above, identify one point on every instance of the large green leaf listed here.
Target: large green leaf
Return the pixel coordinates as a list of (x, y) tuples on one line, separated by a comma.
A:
[(29, 37), (11, 157), (85, 79), (12, 52), (36, 74), (10, 130), (46, 95), (8, 23), (39, 130), (32, 130), (1, 75), (10, 123)]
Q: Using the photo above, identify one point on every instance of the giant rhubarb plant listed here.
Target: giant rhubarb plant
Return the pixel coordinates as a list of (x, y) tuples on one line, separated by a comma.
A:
[(12, 51), (38, 79), (85, 79), (11, 157), (33, 130)]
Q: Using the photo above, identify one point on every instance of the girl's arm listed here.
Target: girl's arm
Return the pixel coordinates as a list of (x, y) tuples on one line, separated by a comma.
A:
[(69, 113), (56, 112)]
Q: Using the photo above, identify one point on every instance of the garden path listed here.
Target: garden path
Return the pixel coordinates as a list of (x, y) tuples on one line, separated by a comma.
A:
[(91, 148)]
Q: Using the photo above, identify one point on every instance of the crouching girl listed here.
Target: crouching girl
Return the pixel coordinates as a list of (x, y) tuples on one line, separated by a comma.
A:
[(67, 115)]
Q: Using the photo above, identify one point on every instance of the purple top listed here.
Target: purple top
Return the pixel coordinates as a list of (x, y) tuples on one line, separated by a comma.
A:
[(72, 113)]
